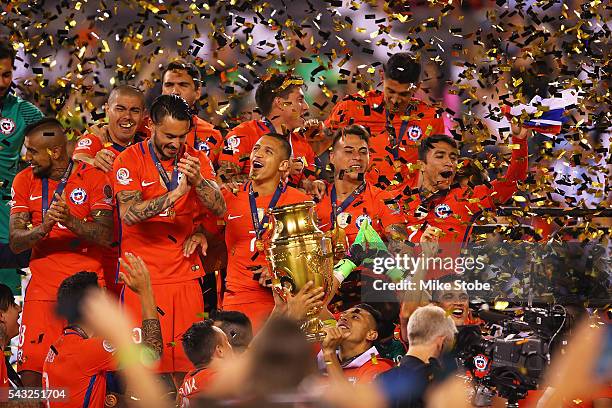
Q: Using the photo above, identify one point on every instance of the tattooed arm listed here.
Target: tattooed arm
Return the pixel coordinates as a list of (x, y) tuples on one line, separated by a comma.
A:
[(22, 237), (134, 209), (209, 194), (100, 230)]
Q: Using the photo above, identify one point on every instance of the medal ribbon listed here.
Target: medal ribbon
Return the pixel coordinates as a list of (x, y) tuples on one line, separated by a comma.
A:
[(259, 225), (337, 210), (171, 184), (58, 190), (394, 141)]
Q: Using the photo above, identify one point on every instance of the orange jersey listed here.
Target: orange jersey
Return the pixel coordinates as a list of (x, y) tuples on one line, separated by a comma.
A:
[(371, 203), (241, 139), (78, 365), (243, 256), (194, 384), (369, 111), (205, 138), (61, 253), (159, 240)]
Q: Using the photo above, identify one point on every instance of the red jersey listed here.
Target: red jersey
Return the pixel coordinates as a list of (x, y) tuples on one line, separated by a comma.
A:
[(159, 240), (365, 203), (242, 256), (205, 138), (241, 139), (369, 111), (78, 365), (455, 212), (61, 253), (194, 384)]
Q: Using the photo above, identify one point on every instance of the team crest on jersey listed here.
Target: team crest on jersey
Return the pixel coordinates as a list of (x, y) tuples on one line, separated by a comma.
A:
[(361, 219), (123, 176), (203, 147), (84, 142), (442, 210), (415, 132), (6, 126), (78, 196), (232, 143)]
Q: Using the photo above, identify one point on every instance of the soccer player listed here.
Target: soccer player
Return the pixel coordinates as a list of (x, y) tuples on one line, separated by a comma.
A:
[(62, 210), (397, 121), (348, 350), (125, 113), (453, 209), (15, 115), (162, 184), (280, 100), (9, 328), (206, 345), (236, 326), (78, 360), (184, 79), (351, 199), (244, 226)]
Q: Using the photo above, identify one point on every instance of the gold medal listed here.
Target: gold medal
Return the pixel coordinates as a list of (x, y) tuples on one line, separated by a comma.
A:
[(259, 245)]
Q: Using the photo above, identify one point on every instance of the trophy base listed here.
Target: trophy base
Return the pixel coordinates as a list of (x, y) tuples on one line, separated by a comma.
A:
[(313, 329)]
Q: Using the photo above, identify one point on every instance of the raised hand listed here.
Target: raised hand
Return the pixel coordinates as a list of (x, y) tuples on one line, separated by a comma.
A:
[(137, 276)]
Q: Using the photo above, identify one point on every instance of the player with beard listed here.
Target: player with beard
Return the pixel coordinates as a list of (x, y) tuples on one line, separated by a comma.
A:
[(245, 218), (348, 350), (15, 115), (62, 210), (453, 209), (184, 79), (280, 100), (162, 184), (397, 121), (125, 113)]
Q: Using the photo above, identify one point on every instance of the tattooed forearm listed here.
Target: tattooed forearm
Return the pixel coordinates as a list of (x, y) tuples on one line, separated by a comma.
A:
[(99, 231), (134, 210), (22, 237), (152, 335), (209, 194)]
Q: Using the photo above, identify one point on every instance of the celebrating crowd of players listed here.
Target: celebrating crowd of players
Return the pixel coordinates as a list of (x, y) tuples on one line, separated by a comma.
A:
[(137, 203)]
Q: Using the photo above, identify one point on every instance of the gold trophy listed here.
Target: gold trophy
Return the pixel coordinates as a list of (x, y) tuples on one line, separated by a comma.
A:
[(297, 252)]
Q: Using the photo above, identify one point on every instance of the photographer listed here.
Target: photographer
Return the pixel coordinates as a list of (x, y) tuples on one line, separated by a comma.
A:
[(430, 334)]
